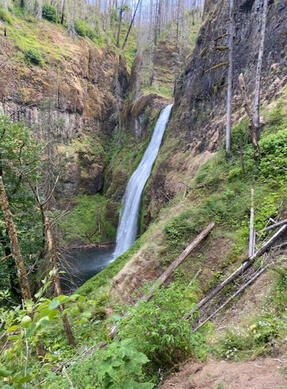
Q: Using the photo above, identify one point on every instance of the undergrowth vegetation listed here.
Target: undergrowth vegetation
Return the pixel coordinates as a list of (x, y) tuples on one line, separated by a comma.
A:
[(263, 333)]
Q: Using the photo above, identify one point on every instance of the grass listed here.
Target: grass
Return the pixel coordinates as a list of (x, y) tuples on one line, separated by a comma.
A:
[(37, 36)]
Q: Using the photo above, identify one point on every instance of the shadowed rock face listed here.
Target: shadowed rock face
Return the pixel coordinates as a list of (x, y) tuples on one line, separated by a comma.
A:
[(202, 89), (198, 120), (85, 90)]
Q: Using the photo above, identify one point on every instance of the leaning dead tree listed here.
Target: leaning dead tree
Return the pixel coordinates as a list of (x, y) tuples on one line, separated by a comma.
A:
[(169, 271), (246, 264), (15, 247)]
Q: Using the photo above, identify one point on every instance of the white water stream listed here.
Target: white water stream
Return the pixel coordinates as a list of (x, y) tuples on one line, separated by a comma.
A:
[(83, 264), (128, 226)]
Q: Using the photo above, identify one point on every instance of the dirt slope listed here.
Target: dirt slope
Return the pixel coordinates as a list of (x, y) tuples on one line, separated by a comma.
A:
[(264, 373)]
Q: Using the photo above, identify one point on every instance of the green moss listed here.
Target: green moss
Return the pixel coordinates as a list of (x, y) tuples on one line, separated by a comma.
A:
[(87, 221)]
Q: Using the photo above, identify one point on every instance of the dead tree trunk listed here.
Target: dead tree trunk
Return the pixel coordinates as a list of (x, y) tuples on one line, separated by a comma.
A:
[(15, 247), (164, 277), (230, 75), (251, 227), (241, 289), (56, 277), (238, 271), (259, 67), (247, 105), (131, 24)]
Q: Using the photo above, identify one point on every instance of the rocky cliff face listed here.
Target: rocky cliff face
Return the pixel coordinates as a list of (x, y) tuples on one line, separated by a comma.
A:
[(85, 88), (198, 120)]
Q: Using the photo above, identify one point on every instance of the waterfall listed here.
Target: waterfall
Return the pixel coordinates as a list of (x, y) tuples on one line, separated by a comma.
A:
[(128, 226)]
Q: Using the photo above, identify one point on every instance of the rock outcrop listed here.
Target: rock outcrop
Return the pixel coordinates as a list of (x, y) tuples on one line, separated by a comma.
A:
[(82, 91), (198, 119)]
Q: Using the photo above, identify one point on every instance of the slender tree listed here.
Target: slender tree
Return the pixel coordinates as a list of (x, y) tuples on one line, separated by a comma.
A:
[(230, 75), (131, 24), (259, 66), (15, 247)]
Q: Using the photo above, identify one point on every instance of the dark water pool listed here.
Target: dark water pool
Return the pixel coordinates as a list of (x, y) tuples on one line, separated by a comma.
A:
[(82, 264)]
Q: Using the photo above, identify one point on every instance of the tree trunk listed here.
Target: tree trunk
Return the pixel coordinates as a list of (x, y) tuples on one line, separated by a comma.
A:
[(251, 227), (238, 271), (15, 247), (169, 271), (56, 277), (247, 106), (131, 24), (119, 27), (230, 75), (39, 9), (259, 67), (63, 12)]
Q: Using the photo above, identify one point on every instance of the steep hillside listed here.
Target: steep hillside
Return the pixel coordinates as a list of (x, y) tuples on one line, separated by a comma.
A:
[(130, 331)]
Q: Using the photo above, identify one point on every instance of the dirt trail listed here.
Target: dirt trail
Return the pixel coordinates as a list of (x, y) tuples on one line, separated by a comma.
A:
[(265, 373)]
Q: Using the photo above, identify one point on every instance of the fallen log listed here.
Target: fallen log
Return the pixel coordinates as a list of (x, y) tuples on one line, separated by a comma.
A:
[(238, 271), (279, 224), (165, 276), (243, 287)]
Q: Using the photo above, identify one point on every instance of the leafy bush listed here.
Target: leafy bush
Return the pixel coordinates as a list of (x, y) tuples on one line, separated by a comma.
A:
[(5, 16), (83, 30), (274, 156), (50, 13), (80, 27), (34, 55), (118, 366), (159, 331)]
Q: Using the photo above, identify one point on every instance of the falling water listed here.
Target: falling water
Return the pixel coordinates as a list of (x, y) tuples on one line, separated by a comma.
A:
[(128, 226)]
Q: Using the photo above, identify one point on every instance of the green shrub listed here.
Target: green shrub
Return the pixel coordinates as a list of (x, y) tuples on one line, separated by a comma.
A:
[(80, 27), (91, 34), (274, 156), (118, 366), (50, 13), (34, 55), (5, 16), (159, 331)]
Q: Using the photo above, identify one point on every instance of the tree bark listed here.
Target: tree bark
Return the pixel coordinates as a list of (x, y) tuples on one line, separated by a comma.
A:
[(259, 67), (230, 75), (279, 224), (15, 247)]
